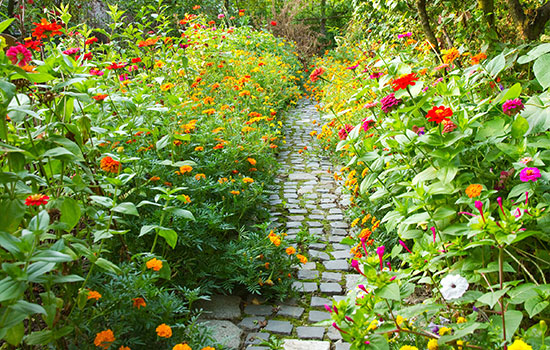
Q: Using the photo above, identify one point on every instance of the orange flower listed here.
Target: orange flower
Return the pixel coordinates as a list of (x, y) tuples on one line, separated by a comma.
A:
[(138, 302), (185, 169), (199, 148), (235, 192), (478, 58), (154, 178), (302, 258), (208, 348), (36, 199), (104, 339), (181, 347), (290, 250), (248, 180), (164, 331), (154, 264), (186, 198), (110, 165), (92, 294), (474, 190), (166, 87), (200, 176), (124, 348), (100, 97), (218, 146), (252, 161)]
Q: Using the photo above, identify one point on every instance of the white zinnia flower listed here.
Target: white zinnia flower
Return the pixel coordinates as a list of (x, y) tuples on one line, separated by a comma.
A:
[(453, 286)]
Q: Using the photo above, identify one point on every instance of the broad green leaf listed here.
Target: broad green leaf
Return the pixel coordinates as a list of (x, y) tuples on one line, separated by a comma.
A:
[(28, 308), (429, 174), (491, 298), (60, 153), (103, 201), (512, 319), (535, 305), (15, 334), (146, 229), (5, 24), (107, 265), (496, 65), (126, 208), (541, 69), (170, 236), (49, 255), (10, 289), (70, 212), (163, 142), (390, 291), (519, 127), (378, 342)]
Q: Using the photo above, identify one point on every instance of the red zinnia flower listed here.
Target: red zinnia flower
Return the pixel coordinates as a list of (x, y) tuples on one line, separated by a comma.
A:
[(439, 114), (45, 29), (91, 40), (404, 81), (115, 65), (32, 44), (36, 199), (273, 23), (316, 74), (100, 97), (136, 60)]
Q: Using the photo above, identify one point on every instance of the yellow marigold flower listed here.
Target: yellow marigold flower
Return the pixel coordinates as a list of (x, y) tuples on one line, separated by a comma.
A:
[(209, 111), (223, 180), (208, 348), (104, 339), (92, 294), (354, 222), (460, 343), (164, 331), (461, 320), (200, 176), (252, 161), (186, 198), (432, 344), (302, 258), (474, 190), (181, 347), (185, 169), (159, 64), (166, 87), (444, 330), (248, 180), (408, 347), (154, 264), (450, 55), (290, 250), (519, 344)]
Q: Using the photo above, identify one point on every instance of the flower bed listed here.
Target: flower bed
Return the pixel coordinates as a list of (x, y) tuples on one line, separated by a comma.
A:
[(134, 174), (447, 171)]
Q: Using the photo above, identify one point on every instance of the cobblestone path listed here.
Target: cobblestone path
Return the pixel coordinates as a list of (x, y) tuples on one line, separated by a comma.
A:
[(306, 198)]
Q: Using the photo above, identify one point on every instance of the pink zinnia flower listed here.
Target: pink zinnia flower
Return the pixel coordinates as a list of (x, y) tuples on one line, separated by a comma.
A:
[(19, 55), (529, 174), (370, 105), (71, 51), (344, 132), (404, 35), (353, 67), (367, 124), (389, 103), (513, 107), (376, 75), (221, 15)]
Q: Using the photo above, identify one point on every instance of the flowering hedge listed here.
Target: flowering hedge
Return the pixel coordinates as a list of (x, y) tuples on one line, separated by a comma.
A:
[(133, 175), (447, 169)]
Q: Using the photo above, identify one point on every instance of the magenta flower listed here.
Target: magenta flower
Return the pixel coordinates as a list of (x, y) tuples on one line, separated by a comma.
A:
[(404, 35), (404, 246), (355, 265), (353, 67), (344, 132), (479, 206), (370, 105), (363, 288), (96, 72), (221, 15), (499, 201), (529, 174), (71, 51), (380, 252), (19, 55), (328, 308), (433, 232), (513, 107), (367, 124), (376, 75), (338, 328), (389, 103)]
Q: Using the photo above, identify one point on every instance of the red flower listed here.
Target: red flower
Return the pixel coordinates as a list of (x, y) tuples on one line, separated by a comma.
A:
[(36, 199), (136, 60), (273, 23), (32, 44), (45, 29), (90, 41), (439, 114), (100, 97), (115, 65), (403, 81), (314, 76)]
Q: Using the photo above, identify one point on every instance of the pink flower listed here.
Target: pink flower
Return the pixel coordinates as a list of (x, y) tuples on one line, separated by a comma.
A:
[(344, 132), (389, 103), (367, 124), (71, 51), (404, 35), (353, 67), (479, 206), (404, 246), (513, 107), (529, 174), (380, 252), (19, 55), (96, 72), (221, 15), (375, 75), (370, 105)]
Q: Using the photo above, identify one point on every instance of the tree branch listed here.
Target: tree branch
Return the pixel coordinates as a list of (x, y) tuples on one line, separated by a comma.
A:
[(425, 21)]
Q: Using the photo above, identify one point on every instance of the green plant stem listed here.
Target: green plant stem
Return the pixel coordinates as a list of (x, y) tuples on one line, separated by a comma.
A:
[(501, 301), (160, 224)]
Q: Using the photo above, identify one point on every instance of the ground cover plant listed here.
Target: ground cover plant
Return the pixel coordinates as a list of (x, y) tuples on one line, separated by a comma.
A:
[(133, 174), (446, 159)]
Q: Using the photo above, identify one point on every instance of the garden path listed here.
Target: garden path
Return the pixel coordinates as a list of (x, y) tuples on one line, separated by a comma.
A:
[(305, 198)]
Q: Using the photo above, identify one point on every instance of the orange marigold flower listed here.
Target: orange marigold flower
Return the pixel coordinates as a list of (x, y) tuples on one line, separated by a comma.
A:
[(110, 165), (478, 58), (199, 148), (218, 146), (235, 193), (185, 169), (166, 87), (208, 348), (252, 161), (154, 264), (36, 199), (104, 339), (290, 250), (185, 198), (148, 42), (181, 347), (248, 180), (450, 55), (92, 294), (138, 302), (302, 258), (200, 176), (100, 97), (122, 347), (154, 178), (164, 331), (474, 190)]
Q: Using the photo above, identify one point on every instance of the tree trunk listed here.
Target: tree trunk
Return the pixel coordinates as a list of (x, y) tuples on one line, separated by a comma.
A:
[(531, 26), (425, 21), (488, 7)]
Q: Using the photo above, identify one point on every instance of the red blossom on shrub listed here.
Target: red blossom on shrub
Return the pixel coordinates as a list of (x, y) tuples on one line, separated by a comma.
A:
[(439, 114), (404, 81)]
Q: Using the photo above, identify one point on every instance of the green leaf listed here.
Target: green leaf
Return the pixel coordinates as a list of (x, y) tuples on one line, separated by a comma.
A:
[(513, 320), (534, 53), (60, 153), (533, 306), (49, 255), (15, 334), (519, 127), (186, 214), (5, 24), (70, 212), (107, 265), (28, 308), (163, 142), (443, 213), (417, 218), (10, 289), (447, 173), (492, 298), (126, 208), (541, 69), (39, 338), (103, 201), (170, 236), (428, 174), (512, 93), (390, 291), (459, 334), (496, 65), (378, 342)]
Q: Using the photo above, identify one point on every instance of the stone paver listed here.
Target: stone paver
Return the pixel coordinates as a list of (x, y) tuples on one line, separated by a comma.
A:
[(251, 323), (294, 344), (318, 316), (226, 333), (310, 332), (279, 327), (290, 311), (258, 310), (221, 307)]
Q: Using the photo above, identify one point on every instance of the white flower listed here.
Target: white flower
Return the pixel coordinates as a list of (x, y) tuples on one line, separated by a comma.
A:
[(453, 286)]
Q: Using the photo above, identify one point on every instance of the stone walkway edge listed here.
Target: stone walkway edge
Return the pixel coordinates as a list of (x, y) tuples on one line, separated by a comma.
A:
[(305, 196)]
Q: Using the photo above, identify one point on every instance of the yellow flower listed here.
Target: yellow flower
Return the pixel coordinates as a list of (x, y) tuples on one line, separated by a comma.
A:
[(450, 55), (461, 320), (399, 319), (408, 347), (185, 169), (444, 330), (432, 344), (372, 325), (519, 344), (166, 87), (248, 180), (181, 347), (460, 343), (235, 192), (474, 190), (302, 258)]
